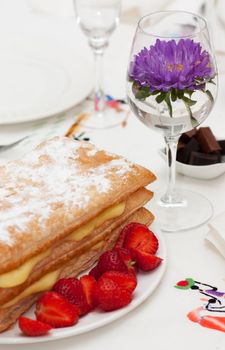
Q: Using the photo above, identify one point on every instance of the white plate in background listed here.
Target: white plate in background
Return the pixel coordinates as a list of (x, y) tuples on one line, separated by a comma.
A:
[(45, 68)]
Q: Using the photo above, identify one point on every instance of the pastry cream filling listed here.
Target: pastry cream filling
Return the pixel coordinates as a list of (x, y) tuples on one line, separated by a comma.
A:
[(110, 213), (20, 274), (45, 283)]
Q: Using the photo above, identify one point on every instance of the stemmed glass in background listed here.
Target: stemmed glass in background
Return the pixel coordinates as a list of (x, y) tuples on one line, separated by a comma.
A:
[(98, 19), (171, 88)]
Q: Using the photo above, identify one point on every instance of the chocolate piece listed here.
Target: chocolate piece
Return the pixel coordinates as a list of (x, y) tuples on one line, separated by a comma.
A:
[(199, 158), (180, 145), (222, 145), (183, 154), (187, 136), (207, 140)]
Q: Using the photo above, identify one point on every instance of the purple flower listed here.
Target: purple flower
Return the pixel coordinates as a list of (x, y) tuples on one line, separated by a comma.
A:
[(169, 64)]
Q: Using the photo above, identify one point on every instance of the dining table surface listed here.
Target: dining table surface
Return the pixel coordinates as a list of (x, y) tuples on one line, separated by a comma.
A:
[(160, 321)]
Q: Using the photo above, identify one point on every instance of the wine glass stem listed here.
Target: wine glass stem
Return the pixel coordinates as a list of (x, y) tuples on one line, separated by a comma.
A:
[(99, 96), (170, 196)]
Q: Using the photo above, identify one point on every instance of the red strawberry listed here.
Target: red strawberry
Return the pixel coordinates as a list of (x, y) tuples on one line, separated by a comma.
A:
[(72, 290), (138, 236), (125, 255), (111, 261), (33, 328), (121, 238), (114, 290), (123, 280), (146, 261), (94, 272), (123, 234), (53, 309), (89, 283)]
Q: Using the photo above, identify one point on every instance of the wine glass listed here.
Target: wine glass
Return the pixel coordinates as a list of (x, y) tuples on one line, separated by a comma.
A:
[(171, 88), (98, 19)]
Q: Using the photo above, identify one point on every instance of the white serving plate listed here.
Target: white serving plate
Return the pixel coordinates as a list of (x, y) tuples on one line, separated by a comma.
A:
[(204, 172), (147, 283)]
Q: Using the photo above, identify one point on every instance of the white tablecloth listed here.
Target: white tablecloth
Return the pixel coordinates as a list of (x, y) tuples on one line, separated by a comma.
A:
[(161, 321)]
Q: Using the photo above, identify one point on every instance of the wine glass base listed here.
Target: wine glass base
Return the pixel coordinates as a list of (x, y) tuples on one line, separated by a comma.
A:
[(103, 120), (192, 212)]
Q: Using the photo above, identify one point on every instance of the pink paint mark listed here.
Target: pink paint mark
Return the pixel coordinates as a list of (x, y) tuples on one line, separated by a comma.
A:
[(114, 104), (96, 103), (204, 299)]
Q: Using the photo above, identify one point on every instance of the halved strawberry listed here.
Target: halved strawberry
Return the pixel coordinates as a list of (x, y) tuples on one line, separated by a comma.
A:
[(126, 256), (121, 238), (146, 261), (94, 272), (89, 283), (71, 289), (33, 328), (114, 290), (53, 309), (138, 236)]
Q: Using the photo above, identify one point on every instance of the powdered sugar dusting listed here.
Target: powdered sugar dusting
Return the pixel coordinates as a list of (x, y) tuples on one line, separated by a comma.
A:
[(57, 173), (92, 152)]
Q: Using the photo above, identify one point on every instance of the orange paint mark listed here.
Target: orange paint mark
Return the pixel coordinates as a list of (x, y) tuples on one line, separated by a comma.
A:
[(74, 128), (194, 315), (213, 322)]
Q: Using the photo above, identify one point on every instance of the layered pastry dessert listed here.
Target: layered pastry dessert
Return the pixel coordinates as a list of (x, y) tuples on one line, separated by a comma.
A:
[(61, 206)]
